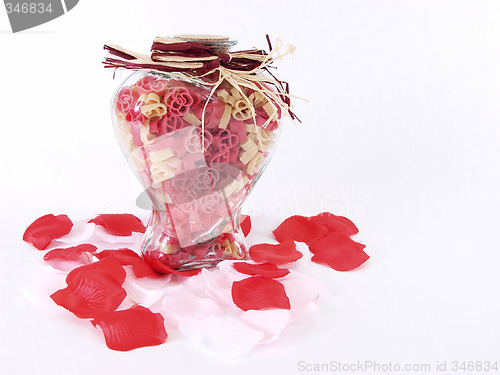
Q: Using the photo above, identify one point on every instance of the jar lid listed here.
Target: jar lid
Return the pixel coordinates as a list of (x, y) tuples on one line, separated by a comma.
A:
[(209, 40)]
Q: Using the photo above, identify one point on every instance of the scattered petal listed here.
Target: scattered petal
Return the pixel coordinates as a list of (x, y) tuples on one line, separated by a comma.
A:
[(90, 294), (270, 322), (338, 251), (245, 224), (73, 253), (218, 283), (180, 305), (334, 223), (224, 335), (119, 224), (259, 293), (127, 257), (43, 230), (133, 328), (285, 252), (305, 313), (160, 267), (302, 289), (145, 291), (300, 229), (108, 266), (263, 269)]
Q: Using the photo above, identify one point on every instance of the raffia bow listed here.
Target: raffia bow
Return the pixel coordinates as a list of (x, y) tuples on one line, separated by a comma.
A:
[(198, 63)]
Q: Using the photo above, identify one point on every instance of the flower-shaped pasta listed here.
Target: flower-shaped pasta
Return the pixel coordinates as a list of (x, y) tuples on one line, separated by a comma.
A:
[(152, 84), (178, 101), (206, 179), (127, 103), (210, 203), (193, 141)]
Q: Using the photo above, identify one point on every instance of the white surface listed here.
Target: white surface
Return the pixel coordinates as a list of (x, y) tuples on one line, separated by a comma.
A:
[(401, 134)]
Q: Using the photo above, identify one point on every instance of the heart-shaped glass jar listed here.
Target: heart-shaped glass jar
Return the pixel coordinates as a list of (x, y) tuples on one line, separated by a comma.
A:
[(198, 149)]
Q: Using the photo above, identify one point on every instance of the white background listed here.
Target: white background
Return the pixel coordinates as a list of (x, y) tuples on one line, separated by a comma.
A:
[(401, 134)]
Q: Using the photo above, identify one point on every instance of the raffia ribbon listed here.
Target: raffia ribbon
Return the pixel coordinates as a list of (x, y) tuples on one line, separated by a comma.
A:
[(198, 63)]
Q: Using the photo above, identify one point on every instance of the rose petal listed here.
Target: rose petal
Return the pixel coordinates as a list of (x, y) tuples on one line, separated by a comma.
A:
[(270, 322), (146, 291), (264, 269), (180, 305), (302, 289), (222, 335), (119, 224), (282, 253), (245, 224), (108, 266), (217, 283), (127, 257), (338, 251), (259, 293), (43, 230), (335, 223), (160, 267), (70, 253), (90, 294), (133, 328), (300, 229)]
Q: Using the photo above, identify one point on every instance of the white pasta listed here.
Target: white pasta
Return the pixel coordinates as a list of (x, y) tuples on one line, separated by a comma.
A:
[(249, 150), (254, 164)]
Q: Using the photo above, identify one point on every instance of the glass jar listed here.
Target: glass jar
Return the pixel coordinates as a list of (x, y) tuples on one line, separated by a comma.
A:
[(198, 149)]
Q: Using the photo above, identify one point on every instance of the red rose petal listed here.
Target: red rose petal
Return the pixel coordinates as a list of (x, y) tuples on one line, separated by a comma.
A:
[(127, 257), (299, 228), (338, 251), (90, 294), (245, 224), (119, 224), (161, 267), (259, 293), (43, 230), (108, 266), (133, 328), (285, 252), (335, 223), (70, 253), (263, 269)]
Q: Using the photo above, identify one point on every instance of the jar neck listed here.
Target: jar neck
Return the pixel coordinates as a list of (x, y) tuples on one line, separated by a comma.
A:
[(218, 43)]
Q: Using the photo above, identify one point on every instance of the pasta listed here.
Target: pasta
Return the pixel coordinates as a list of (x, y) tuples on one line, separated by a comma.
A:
[(152, 107), (164, 165), (191, 119), (255, 163), (264, 139), (249, 150)]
